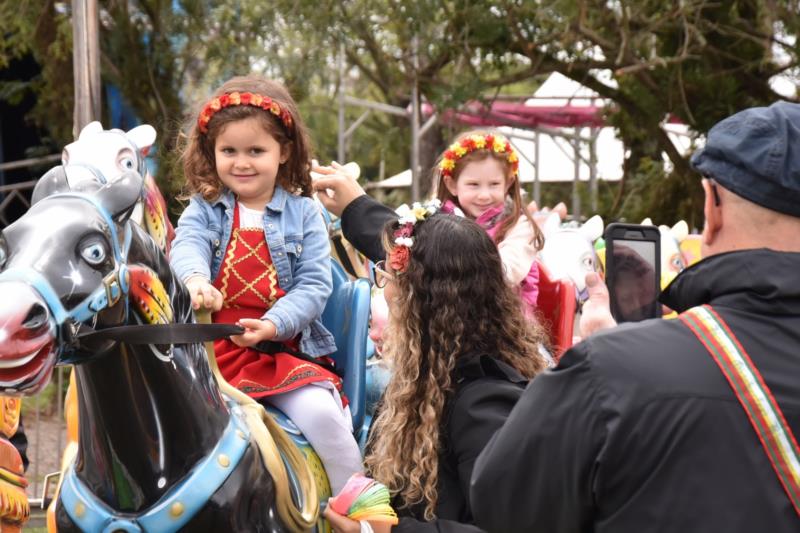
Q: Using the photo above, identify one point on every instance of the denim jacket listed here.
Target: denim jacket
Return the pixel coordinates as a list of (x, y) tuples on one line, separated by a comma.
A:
[(298, 243)]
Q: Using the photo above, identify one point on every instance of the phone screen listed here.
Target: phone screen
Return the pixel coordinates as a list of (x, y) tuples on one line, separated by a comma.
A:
[(635, 293)]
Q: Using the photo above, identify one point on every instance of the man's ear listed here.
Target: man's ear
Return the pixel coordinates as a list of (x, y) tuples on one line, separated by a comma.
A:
[(713, 214), (450, 183)]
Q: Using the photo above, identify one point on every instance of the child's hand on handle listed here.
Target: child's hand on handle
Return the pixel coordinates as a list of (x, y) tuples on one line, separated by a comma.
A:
[(204, 294), (256, 330), (342, 524)]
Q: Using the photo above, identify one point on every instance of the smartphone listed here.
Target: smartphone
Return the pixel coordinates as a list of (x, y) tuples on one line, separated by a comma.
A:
[(633, 265)]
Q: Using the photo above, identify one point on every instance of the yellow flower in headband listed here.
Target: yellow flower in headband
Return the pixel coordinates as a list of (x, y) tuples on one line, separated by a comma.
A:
[(419, 211), (490, 141)]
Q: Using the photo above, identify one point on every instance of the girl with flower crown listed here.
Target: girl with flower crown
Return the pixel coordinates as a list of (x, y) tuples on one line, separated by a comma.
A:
[(478, 174), (252, 247), (461, 352)]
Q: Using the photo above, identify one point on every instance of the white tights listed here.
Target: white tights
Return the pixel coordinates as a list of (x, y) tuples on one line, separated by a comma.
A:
[(317, 411)]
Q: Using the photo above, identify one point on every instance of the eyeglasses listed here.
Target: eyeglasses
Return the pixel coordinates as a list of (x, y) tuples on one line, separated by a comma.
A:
[(381, 276)]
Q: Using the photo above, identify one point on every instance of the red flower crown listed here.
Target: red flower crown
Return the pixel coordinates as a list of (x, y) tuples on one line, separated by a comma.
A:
[(236, 98), (492, 142)]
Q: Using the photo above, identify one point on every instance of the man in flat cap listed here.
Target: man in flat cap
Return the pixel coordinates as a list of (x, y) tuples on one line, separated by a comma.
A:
[(684, 425)]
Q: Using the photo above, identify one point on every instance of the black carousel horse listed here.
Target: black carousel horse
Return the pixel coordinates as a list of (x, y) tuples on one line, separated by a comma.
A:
[(160, 447)]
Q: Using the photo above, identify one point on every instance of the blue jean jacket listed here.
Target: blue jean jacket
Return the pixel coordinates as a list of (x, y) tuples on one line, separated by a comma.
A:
[(298, 243)]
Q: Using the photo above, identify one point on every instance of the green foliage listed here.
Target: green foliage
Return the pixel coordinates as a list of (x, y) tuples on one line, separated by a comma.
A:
[(694, 61)]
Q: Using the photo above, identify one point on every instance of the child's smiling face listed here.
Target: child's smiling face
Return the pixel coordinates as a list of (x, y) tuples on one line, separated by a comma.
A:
[(247, 159), (480, 185)]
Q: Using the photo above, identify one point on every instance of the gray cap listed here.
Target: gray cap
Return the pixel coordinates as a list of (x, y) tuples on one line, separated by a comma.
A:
[(756, 155)]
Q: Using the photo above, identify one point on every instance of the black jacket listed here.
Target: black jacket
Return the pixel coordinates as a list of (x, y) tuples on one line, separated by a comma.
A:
[(638, 430), (363, 221), (485, 392)]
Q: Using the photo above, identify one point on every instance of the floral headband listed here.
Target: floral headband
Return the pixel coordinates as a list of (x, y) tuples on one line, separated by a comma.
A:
[(496, 143), (404, 234), (236, 98)]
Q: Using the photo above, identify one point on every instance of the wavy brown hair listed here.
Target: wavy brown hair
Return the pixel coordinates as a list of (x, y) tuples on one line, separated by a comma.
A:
[(514, 190), (199, 166), (452, 301)]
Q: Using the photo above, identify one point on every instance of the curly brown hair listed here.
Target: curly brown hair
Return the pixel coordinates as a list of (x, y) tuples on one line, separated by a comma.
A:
[(199, 166), (514, 190), (451, 301)]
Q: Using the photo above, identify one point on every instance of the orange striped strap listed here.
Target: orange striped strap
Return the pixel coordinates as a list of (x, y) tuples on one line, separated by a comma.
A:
[(755, 397)]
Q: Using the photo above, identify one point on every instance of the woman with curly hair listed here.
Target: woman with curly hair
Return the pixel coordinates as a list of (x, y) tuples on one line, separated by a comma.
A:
[(461, 353)]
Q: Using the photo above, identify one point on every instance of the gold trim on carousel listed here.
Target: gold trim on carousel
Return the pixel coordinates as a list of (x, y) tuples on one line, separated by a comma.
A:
[(14, 505)]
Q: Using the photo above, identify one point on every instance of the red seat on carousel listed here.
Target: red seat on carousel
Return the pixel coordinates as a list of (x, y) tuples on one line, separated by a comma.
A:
[(557, 304)]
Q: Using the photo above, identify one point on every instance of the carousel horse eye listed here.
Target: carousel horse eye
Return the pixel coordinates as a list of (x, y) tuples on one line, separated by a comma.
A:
[(93, 252), (126, 160)]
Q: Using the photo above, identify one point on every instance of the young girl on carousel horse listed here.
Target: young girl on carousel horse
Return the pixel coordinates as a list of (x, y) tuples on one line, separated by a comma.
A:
[(479, 175), (252, 247), (461, 352)]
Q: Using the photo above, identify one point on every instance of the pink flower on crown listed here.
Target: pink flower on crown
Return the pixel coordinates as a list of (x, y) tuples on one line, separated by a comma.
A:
[(404, 231)]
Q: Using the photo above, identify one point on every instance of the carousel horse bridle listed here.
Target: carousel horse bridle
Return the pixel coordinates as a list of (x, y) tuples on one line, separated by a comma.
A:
[(115, 284), (247, 417), (70, 324)]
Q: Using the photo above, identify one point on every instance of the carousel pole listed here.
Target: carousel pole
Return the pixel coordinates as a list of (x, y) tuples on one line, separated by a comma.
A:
[(85, 63), (537, 184), (415, 177), (576, 199), (342, 144)]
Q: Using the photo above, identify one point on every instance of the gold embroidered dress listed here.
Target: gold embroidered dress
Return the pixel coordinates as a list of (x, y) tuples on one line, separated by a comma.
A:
[(248, 282)]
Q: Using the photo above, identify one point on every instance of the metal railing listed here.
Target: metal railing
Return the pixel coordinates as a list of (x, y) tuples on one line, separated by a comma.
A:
[(46, 430), (15, 198)]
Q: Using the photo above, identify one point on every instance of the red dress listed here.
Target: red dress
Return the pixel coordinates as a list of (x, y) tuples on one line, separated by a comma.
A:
[(248, 282)]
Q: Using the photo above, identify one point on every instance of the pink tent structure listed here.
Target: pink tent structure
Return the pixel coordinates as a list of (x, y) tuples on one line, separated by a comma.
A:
[(520, 115)]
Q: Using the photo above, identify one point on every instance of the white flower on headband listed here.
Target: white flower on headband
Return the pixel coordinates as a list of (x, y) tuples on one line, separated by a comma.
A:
[(433, 206), (417, 211), (406, 215)]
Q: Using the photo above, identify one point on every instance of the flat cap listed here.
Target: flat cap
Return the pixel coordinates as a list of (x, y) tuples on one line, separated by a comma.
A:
[(756, 155)]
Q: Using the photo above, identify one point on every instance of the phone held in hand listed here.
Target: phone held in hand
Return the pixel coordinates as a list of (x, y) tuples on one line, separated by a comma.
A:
[(633, 271)]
